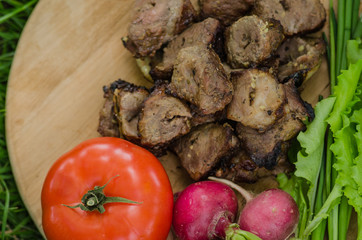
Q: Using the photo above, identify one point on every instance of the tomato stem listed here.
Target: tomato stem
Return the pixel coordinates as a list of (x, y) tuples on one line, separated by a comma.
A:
[(95, 199)]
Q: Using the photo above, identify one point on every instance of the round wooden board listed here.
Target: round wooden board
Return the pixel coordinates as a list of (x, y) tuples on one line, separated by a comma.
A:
[(68, 51)]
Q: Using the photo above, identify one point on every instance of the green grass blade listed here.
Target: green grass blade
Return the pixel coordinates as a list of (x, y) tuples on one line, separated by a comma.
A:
[(16, 11), (340, 34), (6, 209), (355, 13), (332, 48)]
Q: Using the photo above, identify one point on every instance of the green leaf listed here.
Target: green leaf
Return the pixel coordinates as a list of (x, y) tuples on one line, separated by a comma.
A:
[(354, 51), (333, 200), (312, 143), (344, 93), (345, 151), (233, 232), (357, 168), (294, 187)]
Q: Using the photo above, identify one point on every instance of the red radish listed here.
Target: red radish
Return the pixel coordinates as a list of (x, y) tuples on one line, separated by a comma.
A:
[(203, 210), (271, 215)]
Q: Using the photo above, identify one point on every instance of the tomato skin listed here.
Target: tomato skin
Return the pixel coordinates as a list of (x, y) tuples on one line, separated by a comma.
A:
[(94, 162)]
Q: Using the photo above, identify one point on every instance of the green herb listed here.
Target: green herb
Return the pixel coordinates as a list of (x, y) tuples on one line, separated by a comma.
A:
[(14, 220), (343, 113)]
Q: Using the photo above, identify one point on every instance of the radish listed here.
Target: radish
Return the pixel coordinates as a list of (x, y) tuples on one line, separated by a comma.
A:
[(205, 210), (271, 215)]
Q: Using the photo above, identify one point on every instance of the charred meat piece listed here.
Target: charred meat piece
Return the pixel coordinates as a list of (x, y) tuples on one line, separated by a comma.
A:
[(296, 16), (297, 54), (163, 119), (204, 147), (251, 40), (243, 169), (108, 124), (196, 5), (295, 106), (199, 118), (227, 11), (154, 23), (204, 33), (200, 79), (258, 99), (128, 100), (264, 148), (119, 116)]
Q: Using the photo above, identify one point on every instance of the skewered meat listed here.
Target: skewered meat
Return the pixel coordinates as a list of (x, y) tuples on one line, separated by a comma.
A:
[(258, 99), (296, 16), (202, 149), (200, 79), (154, 23), (251, 40), (204, 33), (227, 11), (163, 119)]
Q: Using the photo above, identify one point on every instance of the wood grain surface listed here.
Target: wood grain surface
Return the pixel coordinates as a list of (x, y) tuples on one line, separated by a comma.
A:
[(68, 51)]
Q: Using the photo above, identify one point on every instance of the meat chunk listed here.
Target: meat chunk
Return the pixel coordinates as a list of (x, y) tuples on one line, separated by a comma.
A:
[(251, 40), (296, 16), (242, 169), (128, 99), (154, 23), (297, 54), (108, 124), (227, 11), (120, 114), (264, 148), (163, 119), (199, 118), (200, 79), (204, 33), (196, 5), (258, 99), (204, 147)]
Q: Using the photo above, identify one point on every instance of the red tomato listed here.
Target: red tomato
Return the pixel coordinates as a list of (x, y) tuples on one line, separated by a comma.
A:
[(141, 178)]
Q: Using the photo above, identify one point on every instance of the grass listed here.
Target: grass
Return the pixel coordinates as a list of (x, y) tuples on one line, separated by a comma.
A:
[(14, 219)]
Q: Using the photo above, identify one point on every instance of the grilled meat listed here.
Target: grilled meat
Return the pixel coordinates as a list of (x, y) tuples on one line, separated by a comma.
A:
[(258, 100), (264, 148), (163, 119), (227, 11), (242, 169), (200, 79), (198, 118), (296, 16), (251, 40), (202, 149), (108, 124), (233, 119), (154, 23), (204, 33), (123, 102), (128, 100), (297, 54)]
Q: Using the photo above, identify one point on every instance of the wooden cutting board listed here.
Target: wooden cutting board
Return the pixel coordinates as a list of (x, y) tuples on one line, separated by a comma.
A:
[(68, 51)]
